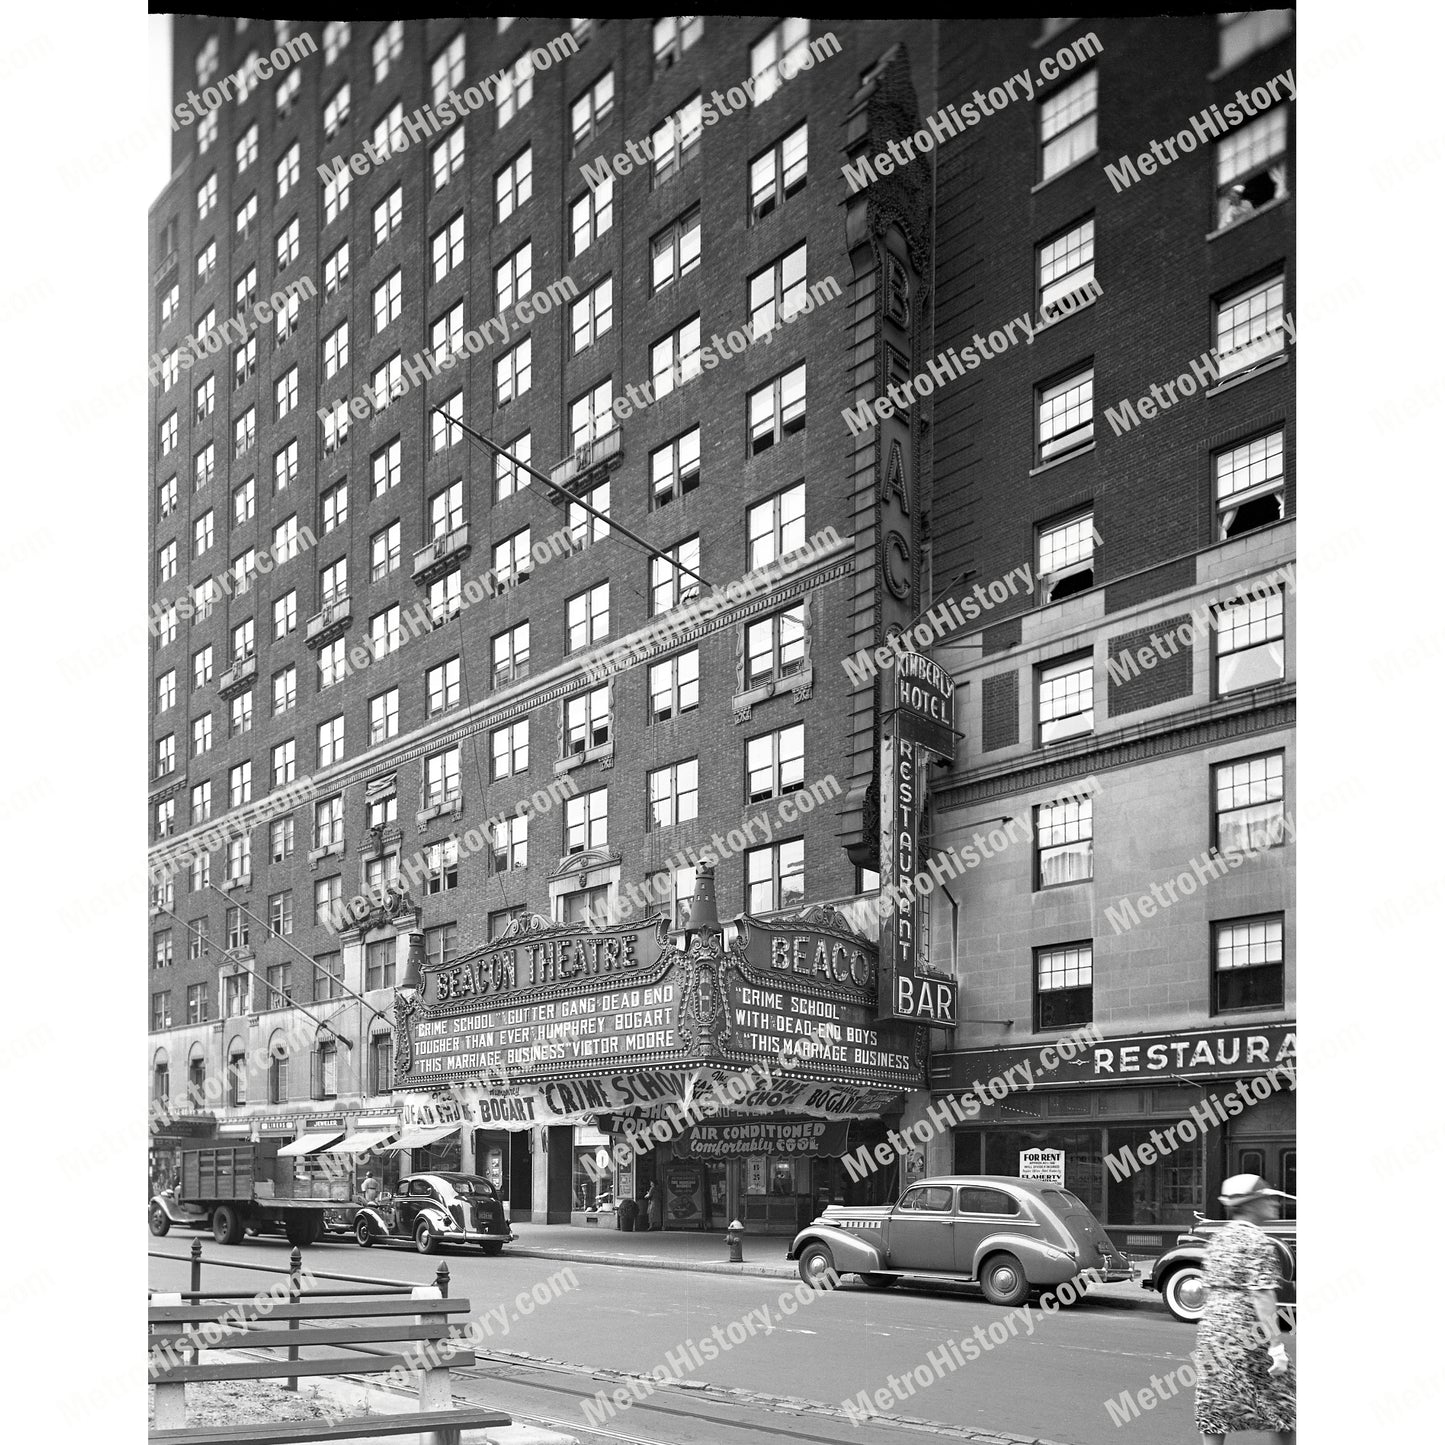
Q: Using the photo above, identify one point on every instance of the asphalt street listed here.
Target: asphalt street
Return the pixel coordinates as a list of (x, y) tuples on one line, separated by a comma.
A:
[(539, 1355)]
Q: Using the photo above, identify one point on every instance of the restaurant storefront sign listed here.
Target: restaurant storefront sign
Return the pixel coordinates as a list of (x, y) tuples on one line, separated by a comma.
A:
[(1190, 1053)]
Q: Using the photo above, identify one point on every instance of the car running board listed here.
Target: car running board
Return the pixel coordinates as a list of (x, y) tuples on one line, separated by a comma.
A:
[(928, 1274)]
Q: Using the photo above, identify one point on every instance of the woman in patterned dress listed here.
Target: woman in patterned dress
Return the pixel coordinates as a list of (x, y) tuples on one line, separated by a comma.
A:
[(1245, 1378)]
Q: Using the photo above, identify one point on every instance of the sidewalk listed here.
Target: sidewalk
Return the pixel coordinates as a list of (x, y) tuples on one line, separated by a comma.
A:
[(692, 1250)]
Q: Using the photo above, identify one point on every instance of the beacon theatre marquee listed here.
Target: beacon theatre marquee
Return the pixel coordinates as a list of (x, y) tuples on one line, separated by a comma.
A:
[(551, 1024)]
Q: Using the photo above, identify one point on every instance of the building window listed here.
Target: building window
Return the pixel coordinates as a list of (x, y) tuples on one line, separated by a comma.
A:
[(500, 921), (331, 742), (288, 169), (775, 646), (165, 754), (677, 357), (775, 763), (161, 1074), (333, 582), (203, 534), (512, 186), (778, 56), (676, 889), (443, 777), (511, 654), (774, 876), (587, 821), (200, 935), (778, 291), (591, 415), (591, 111), (381, 1053), (1249, 485), (238, 858), (1068, 125), (244, 360), (778, 409), (670, 585), (164, 954), (283, 616), (288, 244), (440, 861), (166, 691), (386, 467), (170, 302), (281, 914), (443, 686), (283, 691), (449, 247), (240, 784), (236, 1079), (205, 467), (326, 976), (278, 1079), (381, 964), (1249, 325), (586, 907), (336, 113), (513, 278), (448, 67), (241, 713), (512, 373), (1249, 964), (589, 720), (591, 315), (198, 1003), (776, 526), (201, 736), (1249, 803), (586, 526), (201, 666), (1065, 994), (672, 794), (200, 873), (512, 557), (283, 838), (1066, 699), (444, 598), (671, 36), (206, 263), (385, 715), (386, 382), (385, 52), (246, 218), (323, 1072), (676, 468), (1065, 842), (329, 822), (1066, 263), (514, 89), (510, 476), (1066, 557), (509, 749), (381, 812), (448, 157), (672, 686), (677, 251), (1242, 32), (676, 141), (386, 218), (509, 844), (1250, 643), (442, 946), (386, 302), (385, 551), (591, 216), (443, 433), (238, 929), (206, 197), (1066, 414), (588, 616), (1250, 169), (196, 1081)]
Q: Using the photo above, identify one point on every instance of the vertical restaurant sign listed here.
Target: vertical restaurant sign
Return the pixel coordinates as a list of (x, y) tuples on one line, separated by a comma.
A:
[(903, 991)]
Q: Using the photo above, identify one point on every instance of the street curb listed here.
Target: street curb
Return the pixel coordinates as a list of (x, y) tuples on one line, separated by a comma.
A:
[(1147, 1301)]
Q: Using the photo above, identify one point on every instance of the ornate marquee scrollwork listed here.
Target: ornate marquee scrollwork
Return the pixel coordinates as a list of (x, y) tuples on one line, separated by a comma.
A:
[(406, 1009), (703, 1020)]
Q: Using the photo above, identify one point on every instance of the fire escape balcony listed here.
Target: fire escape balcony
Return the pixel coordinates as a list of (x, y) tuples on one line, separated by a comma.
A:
[(441, 554), (329, 623), (587, 465)]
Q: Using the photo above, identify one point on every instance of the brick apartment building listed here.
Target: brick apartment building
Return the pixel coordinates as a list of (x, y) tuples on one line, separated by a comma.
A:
[(473, 755), (1120, 676)]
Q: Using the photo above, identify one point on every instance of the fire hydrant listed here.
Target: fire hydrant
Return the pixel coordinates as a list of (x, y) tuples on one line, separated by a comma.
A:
[(735, 1242)]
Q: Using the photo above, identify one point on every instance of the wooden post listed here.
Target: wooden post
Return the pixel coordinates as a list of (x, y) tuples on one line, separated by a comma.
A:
[(195, 1350), (294, 1294)]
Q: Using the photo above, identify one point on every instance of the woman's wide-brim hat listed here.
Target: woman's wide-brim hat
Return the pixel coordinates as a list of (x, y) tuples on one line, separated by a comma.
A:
[(1241, 1188)]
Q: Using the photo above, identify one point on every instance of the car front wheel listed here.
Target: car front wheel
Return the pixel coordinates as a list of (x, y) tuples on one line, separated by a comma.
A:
[(427, 1241), (365, 1235), (815, 1266), (1004, 1281), (159, 1221), (1184, 1294)]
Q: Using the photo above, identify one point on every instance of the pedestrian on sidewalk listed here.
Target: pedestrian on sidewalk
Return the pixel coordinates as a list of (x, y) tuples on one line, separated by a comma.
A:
[(653, 1202), (1246, 1378)]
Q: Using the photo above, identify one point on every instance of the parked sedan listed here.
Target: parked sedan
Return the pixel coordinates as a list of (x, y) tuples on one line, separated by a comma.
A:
[(1007, 1235), (430, 1210), (1178, 1274)]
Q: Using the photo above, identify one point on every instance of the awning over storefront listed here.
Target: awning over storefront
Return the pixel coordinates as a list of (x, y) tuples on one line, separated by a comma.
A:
[(420, 1138), (312, 1143), (360, 1143)]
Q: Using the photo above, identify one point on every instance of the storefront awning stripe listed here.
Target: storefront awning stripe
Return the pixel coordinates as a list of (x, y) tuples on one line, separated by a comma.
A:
[(312, 1143), (359, 1143), (418, 1138)]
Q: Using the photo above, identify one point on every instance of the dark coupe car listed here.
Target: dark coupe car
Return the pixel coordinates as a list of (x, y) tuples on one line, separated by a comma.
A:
[(430, 1210), (1178, 1274), (1007, 1235)]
